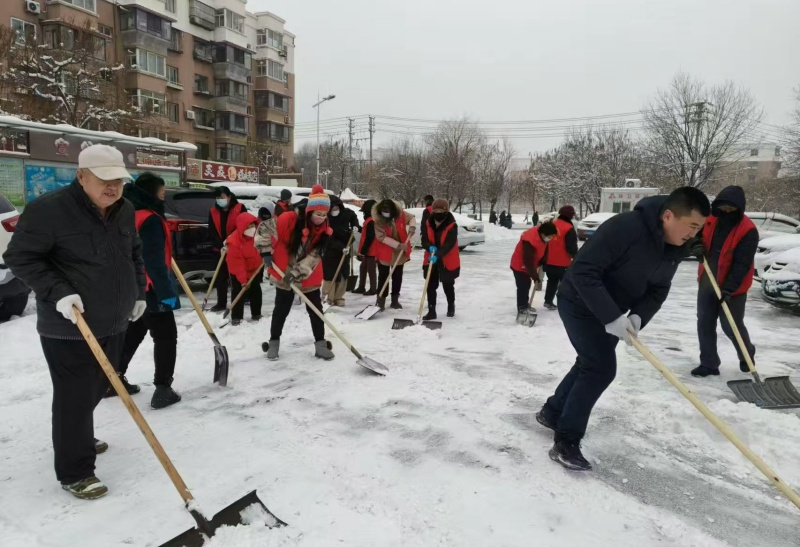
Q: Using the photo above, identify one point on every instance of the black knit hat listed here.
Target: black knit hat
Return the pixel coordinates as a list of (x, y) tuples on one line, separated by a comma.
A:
[(286, 194), (149, 182)]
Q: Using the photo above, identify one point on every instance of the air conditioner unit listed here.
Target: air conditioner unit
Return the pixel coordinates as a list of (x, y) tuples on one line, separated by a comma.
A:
[(633, 183), (190, 114), (287, 120), (33, 7)]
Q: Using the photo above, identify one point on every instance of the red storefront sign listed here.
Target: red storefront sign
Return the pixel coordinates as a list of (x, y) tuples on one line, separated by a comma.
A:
[(212, 171)]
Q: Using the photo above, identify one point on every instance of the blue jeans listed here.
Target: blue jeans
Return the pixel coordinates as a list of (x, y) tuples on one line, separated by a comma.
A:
[(595, 367)]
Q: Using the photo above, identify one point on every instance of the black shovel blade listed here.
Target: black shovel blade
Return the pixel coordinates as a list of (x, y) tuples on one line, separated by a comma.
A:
[(399, 324), (221, 365), (352, 281), (253, 508), (527, 318), (777, 392)]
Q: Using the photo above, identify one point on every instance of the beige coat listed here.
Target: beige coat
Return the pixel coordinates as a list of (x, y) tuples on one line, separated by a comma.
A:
[(388, 231)]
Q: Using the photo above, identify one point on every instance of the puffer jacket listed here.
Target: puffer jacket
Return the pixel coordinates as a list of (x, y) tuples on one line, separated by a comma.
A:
[(264, 233), (386, 234), (243, 258), (305, 263)]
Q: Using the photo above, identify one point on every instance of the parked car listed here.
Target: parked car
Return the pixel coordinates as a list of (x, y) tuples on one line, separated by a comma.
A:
[(774, 224), (769, 247), (13, 292), (470, 231), (780, 281), (589, 225), (192, 244)]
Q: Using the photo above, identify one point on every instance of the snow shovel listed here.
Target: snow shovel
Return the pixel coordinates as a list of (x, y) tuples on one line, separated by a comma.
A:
[(214, 278), (776, 392), (220, 353), (370, 311), (229, 516), (352, 280), (363, 360), (432, 325), (242, 293), (529, 316), (719, 424), (339, 269)]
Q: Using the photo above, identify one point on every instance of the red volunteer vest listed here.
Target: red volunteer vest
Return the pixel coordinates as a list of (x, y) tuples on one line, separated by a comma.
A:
[(230, 224), (371, 250), (452, 259), (726, 255), (280, 249), (557, 254), (141, 216), (383, 252), (531, 235)]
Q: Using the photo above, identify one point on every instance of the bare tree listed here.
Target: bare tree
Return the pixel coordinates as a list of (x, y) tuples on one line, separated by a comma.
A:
[(490, 170), (692, 127), (403, 172), (793, 138), (453, 149)]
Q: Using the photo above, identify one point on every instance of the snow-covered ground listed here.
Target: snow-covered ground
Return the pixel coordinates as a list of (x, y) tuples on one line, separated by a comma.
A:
[(444, 450)]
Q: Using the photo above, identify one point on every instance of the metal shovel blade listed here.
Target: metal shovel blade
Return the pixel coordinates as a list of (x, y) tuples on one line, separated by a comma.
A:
[(403, 323), (368, 313), (777, 392), (352, 281), (373, 365), (230, 516), (221, 365), (527, 318)]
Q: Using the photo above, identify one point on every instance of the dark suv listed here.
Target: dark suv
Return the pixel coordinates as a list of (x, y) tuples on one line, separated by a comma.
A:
[(13, 292), (192, 246)]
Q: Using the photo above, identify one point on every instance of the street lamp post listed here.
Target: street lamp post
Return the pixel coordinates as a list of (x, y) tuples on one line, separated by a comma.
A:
[(317, 106)]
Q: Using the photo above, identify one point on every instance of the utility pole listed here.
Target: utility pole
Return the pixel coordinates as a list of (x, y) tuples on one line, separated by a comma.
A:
[(350, 122), (694, 155), (371, 131), (317, 106)]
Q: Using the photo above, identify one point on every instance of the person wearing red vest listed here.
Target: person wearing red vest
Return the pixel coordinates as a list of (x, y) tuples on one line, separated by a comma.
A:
[(528, 255), (147, 197), (366, 252), (439, 237), (299, 240), (394, 228), (730, 240), (560, 252), (243, 261), (222, 223)]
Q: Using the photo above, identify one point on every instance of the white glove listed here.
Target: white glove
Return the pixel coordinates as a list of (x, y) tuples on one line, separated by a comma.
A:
[(138, 310), (346, 251), (636, 322), (622, 328), (411, 231), (64, 307)]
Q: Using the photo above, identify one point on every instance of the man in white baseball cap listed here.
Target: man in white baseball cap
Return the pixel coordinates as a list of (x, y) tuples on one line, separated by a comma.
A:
[(101, 173)]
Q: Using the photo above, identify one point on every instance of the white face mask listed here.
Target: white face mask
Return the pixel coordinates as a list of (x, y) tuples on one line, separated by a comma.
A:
[(335, 213), (222, 202), (547, 239), (250, 232), (386, 215)]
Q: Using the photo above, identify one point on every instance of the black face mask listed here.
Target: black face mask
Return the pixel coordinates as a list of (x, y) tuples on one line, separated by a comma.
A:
[(439, 217)]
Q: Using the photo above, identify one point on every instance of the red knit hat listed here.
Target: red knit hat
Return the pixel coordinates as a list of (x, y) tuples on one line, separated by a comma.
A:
[(567, 211), (318, 200)]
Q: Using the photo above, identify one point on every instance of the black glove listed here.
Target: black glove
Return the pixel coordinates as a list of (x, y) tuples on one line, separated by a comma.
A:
[(697, 249), (289, 278), (535, 277), (725, 296)]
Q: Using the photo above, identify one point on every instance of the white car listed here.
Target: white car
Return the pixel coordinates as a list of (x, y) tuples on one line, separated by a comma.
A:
[(774, 224), (589, 225), (780, 280), (769, 247), (470, 232), (13, 293)]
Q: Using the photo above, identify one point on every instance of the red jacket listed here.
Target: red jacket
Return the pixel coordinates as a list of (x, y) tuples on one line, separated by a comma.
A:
[(243, 258), (728, 249), (284, 229), (141, 216), (531, 235), (557, 254), (230, 225), (280, 208)]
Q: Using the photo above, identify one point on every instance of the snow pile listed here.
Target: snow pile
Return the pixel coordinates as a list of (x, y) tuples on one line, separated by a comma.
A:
[(494, 232)]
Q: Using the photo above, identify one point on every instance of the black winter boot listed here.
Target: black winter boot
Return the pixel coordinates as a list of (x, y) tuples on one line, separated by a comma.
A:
[(569, 455), (164, 396), (395, 305), (431, 315), (451, 309), (130, 388), (359, 290), (703, 371)]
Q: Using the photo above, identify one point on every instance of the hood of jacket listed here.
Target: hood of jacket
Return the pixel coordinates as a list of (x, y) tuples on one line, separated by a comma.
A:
[(366, 209), (650, 209), (142, 199), (731, 195), (376, 211), (243, 221)]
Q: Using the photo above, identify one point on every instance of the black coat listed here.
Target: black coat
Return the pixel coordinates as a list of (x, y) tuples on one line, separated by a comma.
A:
[(218, 239), (444, 245), (154, 241), (625, 266), (492, 218), (745, 251), (62, 246), (342, 226)]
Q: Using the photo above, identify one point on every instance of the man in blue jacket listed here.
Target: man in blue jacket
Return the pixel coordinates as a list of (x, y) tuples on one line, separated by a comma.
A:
[(617, 283)]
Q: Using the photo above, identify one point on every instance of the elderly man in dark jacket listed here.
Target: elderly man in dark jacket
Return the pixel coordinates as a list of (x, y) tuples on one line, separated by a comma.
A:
[(730, 240), (77, 248), (342, 221), (615, 286), (147, 196)]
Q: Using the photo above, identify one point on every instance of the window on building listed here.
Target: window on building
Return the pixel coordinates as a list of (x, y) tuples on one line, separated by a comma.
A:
[(228, 19), (202, 15), (230, 88), (275, 70), (204, 118), (230, 121), (203, 51), (150, 101), (279, 102), (777, 151), (105, 31), (273, 131), (172, 75), (127, 20), (752, 164), (261, 37), (176, 40), (85, 4), (231, 153), (99, 48), (173, 112), (58, 37), (261, 67), (203, 151), (25, 31), (200, 84), (275, 40), (169, 5), (149, 62), (239, 56), (754, 152)]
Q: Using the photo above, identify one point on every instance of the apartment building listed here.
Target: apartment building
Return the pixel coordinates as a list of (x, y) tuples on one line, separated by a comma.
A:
[(215, 75), (750, 163)]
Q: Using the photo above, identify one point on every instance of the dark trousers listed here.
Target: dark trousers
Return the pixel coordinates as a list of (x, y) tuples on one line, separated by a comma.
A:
[(554, 275), (222, 284), (367, 269), (594, 370), (523, 289), (449, 286), (283, 305), (78, 385), (709, 311), (253, 293), (397, 278), (164, 333)]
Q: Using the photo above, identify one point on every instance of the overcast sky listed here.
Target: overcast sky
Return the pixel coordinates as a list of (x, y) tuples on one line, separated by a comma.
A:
[(505, 60)]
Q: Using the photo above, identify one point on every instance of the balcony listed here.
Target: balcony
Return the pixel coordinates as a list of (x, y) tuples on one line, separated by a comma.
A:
[(202, 15), (230, 104), (232, 71), (133, 39)]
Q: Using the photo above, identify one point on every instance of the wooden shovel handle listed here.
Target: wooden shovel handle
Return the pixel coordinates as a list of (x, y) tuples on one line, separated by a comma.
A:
[(193, 300), (108, 368), (533, 293), (391, 270), (341, 261), (244, 289), (216, 272), (431, 265), (724, 428)]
